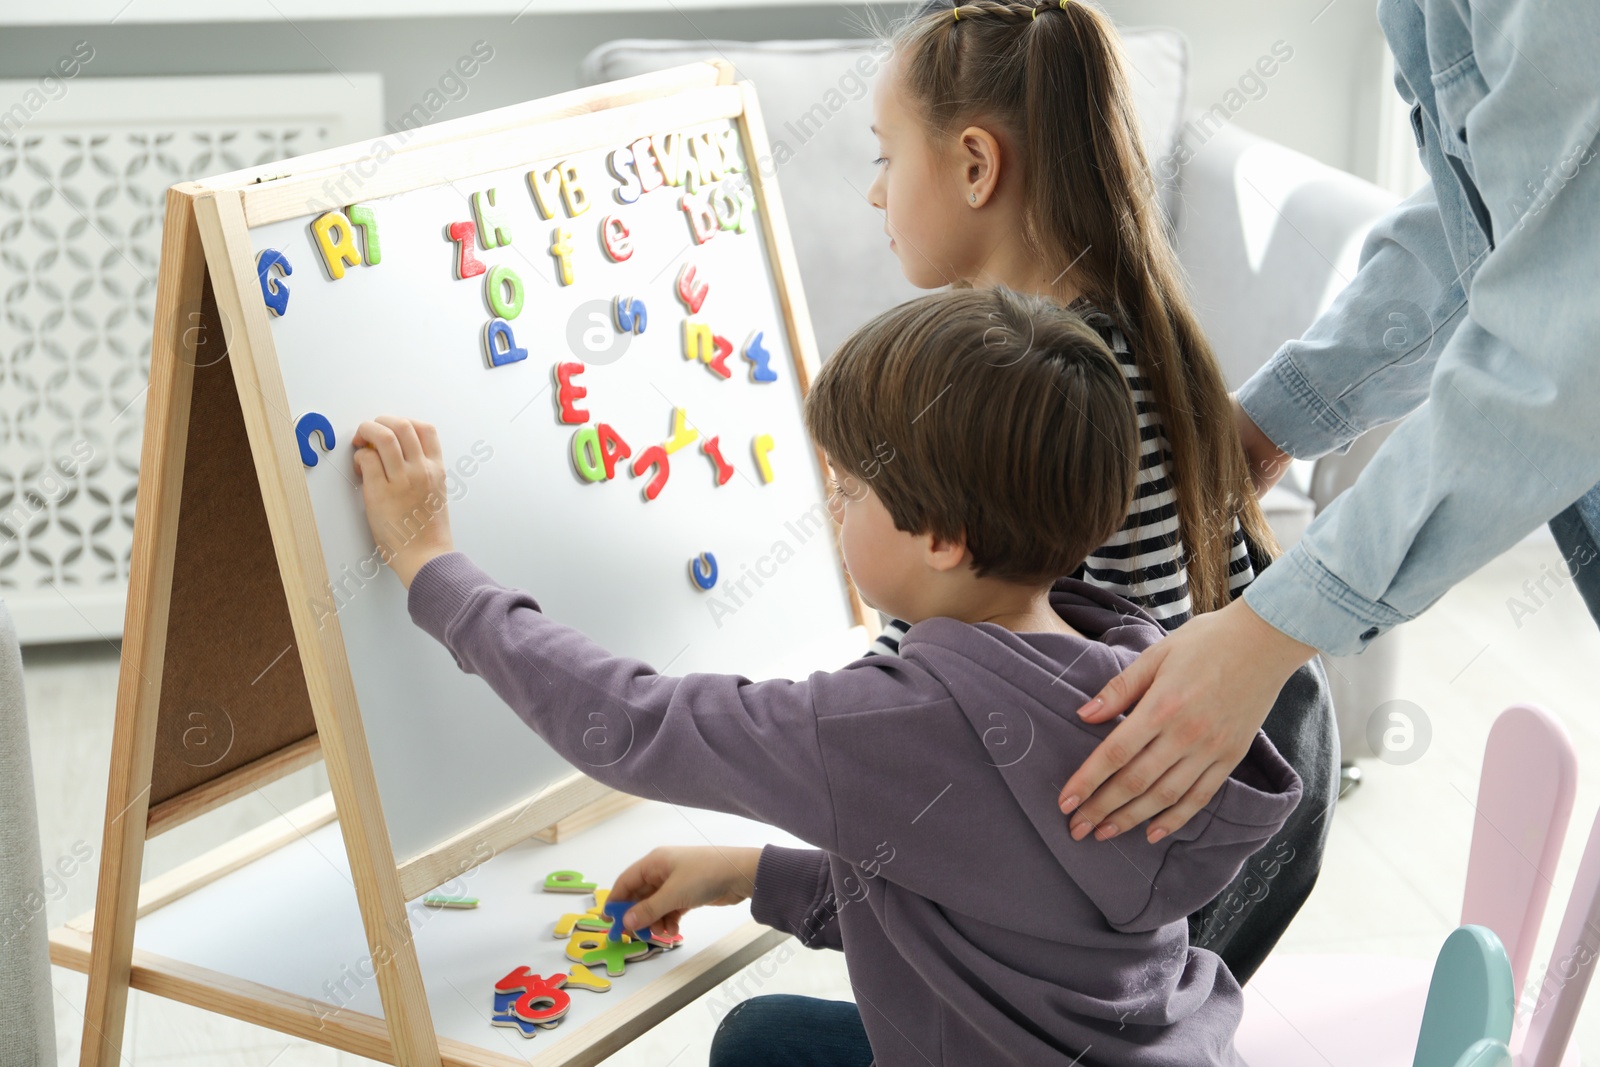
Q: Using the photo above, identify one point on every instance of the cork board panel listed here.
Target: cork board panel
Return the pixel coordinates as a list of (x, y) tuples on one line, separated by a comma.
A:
[(232, 687)]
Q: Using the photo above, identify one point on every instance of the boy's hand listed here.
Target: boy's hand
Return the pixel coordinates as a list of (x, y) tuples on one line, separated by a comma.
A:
[(403, 483), (670, 881)]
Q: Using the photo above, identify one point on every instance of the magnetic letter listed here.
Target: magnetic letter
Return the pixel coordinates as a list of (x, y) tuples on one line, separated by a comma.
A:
[(568, 394), (681, 433), (728, 145), (337, 251), (505, 292), (707, 157), (586, 456), (615, 954), (703, 572), (692, 294), (615, 237), (522, 995), (630, 314), (561, 248), (760, 359), (567, 882), (580, 977), (654, 456), (761, 446), (629, 188), (494, 332), (713, 451), (572, 191), (669, 151), (467, 264), (697, 342), (313, 423), (718, 365), (612, 448), (545, 182), (273, 291), (494, 228), (648, 165), (362, 216), (727, 208), (702, 220)]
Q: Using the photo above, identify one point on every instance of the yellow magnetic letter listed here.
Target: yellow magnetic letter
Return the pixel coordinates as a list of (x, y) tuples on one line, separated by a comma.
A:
[(761, 446), (336, 251), (681, 433)]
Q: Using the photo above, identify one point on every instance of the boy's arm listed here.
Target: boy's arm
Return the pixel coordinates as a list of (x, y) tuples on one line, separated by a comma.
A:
[(794, 893), (710, 741)]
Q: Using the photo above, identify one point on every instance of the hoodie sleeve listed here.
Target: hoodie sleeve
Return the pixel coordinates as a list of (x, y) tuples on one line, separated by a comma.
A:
[(1139, 886), (710, 741), (794, 893)]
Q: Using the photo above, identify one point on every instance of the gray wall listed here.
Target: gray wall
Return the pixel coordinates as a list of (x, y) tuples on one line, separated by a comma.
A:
[(1323, 102)]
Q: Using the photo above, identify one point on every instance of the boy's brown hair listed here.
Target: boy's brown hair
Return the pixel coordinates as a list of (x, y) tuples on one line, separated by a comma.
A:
[(988, 416)]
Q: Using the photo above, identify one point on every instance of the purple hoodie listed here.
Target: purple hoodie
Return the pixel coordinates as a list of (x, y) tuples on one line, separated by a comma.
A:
[(976, 931)]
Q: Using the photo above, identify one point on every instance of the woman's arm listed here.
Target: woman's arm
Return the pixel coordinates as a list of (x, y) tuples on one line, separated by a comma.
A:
[(1504, 442)]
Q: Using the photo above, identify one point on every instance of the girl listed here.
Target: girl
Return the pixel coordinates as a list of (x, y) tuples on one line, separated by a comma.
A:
[(1010, 154)]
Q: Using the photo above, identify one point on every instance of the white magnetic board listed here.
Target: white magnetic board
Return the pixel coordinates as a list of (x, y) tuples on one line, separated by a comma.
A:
[(406, 336)]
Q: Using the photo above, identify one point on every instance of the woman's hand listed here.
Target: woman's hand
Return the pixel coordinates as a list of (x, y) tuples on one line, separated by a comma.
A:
[(1267, 461), (670, 881), (403, 484), (1201, 692)]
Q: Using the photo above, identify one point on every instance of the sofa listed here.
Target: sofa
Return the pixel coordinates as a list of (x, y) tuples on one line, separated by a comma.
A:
[(1266, 235), (28, 1037)]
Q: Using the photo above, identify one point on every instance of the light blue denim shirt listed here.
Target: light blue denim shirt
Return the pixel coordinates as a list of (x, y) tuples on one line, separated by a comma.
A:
[(1476, 310)]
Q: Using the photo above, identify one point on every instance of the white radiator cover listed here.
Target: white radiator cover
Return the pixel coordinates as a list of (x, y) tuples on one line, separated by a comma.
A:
[(83, 181)]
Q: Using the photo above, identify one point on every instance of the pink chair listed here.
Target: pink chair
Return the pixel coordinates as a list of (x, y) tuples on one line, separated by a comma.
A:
[(1366, 1011), (1548, 1041)]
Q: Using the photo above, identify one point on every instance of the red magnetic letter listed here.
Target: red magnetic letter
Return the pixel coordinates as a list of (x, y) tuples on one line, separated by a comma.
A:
[(467, 264), (612, 448), (618, 241), (654, 456), (691, 294), (719, 364), (713, 449), (567, 393)]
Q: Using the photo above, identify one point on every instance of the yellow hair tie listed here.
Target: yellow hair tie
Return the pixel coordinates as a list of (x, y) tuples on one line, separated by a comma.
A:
[(957, 12)]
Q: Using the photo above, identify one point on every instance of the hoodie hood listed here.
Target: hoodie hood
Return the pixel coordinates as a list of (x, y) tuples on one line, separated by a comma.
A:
[(1021, 692)]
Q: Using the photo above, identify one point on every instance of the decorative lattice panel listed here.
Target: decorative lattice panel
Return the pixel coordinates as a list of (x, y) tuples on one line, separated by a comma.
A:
[(82, 194)]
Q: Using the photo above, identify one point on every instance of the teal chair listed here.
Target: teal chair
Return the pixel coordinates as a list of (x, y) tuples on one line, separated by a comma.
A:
[(1471, 1004)]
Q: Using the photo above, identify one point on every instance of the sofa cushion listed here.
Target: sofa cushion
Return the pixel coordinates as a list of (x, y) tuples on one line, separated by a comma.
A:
[(815, 98)]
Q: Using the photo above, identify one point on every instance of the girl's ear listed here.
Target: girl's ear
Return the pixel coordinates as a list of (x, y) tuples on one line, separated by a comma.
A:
[(979, 153)]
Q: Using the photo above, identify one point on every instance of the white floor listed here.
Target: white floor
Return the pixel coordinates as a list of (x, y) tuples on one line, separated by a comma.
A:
[(1391, 883)]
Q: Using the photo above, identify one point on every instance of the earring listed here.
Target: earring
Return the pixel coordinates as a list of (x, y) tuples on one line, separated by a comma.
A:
[(973, 197)]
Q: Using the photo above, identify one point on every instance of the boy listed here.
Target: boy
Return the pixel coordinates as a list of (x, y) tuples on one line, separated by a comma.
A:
[(975, 928)]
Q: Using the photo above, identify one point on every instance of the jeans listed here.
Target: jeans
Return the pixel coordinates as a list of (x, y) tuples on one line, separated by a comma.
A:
[(789, 1031), (1577, 534)]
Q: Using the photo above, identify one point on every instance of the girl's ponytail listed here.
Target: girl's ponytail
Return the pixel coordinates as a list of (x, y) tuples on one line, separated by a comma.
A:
[(1051, 77)]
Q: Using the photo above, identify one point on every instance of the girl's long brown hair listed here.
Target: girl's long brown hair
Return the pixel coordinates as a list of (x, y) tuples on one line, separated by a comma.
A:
[(1050, 79)]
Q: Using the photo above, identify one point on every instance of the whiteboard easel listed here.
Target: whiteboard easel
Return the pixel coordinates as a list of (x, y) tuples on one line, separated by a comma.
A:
[(228, 560)]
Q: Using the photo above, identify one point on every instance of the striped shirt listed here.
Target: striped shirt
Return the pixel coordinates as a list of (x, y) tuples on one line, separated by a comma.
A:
[(1143, 561)]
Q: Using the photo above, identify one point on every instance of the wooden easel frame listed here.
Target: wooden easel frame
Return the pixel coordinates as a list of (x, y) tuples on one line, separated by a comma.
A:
[(207, 281)]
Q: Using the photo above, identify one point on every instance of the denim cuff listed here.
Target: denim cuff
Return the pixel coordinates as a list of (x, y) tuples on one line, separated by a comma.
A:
[(1302, 598), (1281, 400)]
